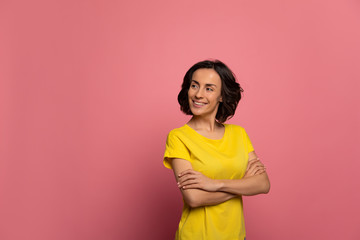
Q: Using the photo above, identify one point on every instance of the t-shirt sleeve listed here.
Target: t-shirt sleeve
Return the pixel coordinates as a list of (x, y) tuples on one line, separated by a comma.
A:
[(248, 144), (175, 148)]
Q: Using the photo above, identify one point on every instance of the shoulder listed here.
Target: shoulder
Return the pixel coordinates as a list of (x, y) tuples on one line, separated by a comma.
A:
[(177, 132), (178, 138), (235, 128)]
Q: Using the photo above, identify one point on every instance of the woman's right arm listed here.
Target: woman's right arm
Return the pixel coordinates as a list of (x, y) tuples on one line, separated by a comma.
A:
[(197, 197)]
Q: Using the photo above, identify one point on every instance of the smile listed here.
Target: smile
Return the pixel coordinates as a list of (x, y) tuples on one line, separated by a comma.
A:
[(198, 104)]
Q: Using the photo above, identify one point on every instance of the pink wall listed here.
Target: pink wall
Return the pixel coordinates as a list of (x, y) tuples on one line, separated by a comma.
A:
[(88, 93)]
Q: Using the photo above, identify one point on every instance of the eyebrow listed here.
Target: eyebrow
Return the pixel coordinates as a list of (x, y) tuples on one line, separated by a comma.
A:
[(208, 84)]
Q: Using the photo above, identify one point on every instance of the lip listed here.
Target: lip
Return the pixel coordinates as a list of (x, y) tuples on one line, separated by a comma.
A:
[(198, 106)]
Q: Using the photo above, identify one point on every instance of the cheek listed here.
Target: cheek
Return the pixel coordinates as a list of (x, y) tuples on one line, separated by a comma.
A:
[(219, 98), (190, 93)]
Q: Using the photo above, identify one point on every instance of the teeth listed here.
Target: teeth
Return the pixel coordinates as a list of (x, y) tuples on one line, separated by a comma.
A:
[(200, 104)]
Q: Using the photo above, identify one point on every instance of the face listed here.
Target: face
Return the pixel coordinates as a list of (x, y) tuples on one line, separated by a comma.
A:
[(205, 92)]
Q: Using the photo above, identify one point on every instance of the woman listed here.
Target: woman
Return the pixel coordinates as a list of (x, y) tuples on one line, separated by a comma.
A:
[(214, 163)]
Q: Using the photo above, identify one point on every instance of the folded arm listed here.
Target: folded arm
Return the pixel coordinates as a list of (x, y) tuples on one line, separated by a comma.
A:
[(254, 182), (246, 186), (250, 184), (197, 197)]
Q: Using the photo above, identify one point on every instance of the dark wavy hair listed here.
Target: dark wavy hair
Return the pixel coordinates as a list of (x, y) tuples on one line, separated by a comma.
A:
[(230, 89)]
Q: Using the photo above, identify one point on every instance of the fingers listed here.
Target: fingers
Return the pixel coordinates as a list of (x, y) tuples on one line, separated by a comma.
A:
[(188, 171), (191, 183), (256, 170), (185, 179), (260, 172), (255, 167), (191, 179), (191, 186), (187, 174), (252, 162)]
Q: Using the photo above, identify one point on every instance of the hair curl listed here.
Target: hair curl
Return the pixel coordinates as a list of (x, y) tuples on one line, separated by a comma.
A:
[(230, 90)]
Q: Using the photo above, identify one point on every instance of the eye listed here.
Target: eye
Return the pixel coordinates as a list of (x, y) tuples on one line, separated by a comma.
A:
[(193, 86), (209, 89)]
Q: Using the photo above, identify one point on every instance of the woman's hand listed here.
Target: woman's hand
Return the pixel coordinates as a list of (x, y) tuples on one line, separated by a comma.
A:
[(255, 167), (190, 179)]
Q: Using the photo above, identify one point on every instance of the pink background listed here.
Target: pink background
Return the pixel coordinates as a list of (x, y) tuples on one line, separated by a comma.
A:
[(88, 94)]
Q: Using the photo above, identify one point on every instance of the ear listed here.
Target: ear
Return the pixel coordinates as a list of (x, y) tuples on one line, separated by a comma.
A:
[(220, 100)]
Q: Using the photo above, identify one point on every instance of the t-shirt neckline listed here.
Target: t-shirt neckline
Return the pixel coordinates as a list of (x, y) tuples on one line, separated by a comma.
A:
[(209, 139)]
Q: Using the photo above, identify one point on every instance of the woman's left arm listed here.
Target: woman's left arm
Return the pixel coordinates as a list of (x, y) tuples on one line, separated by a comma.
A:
[(249, 186), (255, 182)]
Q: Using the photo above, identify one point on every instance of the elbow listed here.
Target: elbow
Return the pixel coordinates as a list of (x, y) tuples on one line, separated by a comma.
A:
[(265, 184), (266, 187), (193, 204), (192, 200)]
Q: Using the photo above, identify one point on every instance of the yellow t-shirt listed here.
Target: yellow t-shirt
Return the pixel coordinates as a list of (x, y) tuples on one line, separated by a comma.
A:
[(225, 158)]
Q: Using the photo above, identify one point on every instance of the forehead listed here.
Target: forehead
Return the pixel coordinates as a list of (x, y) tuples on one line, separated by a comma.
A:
[(207, 76)]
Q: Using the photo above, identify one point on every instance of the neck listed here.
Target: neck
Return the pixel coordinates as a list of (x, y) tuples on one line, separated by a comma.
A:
[(201, 123)]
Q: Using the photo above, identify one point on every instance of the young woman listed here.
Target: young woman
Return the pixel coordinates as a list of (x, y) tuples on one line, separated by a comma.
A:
[(214, 163)]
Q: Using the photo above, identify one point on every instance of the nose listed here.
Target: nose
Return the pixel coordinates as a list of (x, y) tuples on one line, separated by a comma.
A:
[(199, 94)]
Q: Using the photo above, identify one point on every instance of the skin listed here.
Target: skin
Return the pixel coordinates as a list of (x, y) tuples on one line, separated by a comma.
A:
[(197, 189), (205, 88)]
